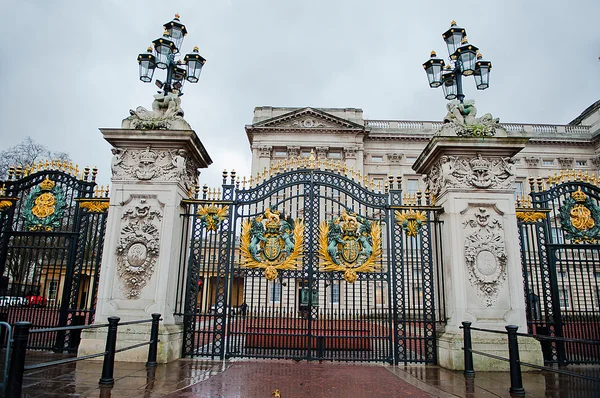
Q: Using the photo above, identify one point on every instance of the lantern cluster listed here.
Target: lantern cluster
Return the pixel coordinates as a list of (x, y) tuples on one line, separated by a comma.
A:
[(465, 60), (162, 56)]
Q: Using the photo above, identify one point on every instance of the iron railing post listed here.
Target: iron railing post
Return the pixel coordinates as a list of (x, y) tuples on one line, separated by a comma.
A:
[(516, 381), (17, 359), (468, 346), (153, 341), (108, 365)]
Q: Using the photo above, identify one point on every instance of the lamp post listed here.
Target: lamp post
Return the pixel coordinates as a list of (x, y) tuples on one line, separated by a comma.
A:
[(162, 56), (464, 60)]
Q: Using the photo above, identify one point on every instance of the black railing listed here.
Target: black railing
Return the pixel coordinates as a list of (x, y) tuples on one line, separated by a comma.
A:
[(22, 332), (515, 363)]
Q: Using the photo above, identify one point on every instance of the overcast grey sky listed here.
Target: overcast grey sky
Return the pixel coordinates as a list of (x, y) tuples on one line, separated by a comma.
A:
[(69, 67)]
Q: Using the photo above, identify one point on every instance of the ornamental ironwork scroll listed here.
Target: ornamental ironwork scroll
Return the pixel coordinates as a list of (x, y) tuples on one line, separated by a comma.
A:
[(580, 218), (44, 207), (272, 242), (350, 244)]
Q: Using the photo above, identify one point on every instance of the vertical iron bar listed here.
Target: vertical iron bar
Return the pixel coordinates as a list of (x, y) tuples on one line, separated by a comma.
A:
[(468, 346), (108, 365), (153, 341), (516, 381), (17, 359)]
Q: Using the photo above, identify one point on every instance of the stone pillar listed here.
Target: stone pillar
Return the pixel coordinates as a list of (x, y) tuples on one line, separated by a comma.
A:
[(472, 178), (152, 172)]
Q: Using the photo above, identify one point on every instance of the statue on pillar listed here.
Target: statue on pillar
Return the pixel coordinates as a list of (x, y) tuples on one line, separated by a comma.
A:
[(462, 121), (166, 114)]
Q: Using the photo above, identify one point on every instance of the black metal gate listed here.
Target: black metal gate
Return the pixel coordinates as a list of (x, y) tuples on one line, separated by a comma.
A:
[(52, 224), (311, 263), (560, 245)]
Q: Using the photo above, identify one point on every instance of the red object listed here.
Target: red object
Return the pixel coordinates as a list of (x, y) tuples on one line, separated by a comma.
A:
[(36, 300)]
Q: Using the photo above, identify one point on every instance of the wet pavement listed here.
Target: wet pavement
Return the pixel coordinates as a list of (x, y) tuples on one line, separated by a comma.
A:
[(259, 379)]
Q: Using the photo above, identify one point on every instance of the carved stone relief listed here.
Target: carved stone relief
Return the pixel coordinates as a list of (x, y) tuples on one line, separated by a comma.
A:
[(322, 152), (394, 157), (596, 162), (566, 163), (466, 172), (293, 151), (138, 246), (350, 153), (308, 123), (265, 151), (153, 164), (533, 161), (485, 254)]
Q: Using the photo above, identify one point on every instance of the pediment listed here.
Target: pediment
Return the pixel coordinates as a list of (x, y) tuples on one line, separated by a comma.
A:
[(308, 118)]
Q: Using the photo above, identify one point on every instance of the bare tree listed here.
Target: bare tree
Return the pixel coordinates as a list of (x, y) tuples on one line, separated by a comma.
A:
[(25, 154)]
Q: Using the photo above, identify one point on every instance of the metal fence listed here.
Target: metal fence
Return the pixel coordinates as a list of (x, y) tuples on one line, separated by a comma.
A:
[(311, 263)]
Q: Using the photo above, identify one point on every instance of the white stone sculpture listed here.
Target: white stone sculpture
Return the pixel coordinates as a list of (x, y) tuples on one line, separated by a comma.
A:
[(138, 247), (485, 254), (461, 120), (153, 164), (166, 114), (465, 172)]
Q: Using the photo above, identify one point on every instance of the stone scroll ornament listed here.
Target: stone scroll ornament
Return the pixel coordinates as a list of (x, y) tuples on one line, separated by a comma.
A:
[(468, 172), (350, 244), (138, 246), (272, 242), (485, 255), (44, 207), (580, 218)]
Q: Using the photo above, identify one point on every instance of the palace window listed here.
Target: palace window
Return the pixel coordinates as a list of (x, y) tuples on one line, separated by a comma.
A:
[(377, 158), (334, 294), (563, 298), (334, 155), (412, 186), (548, 162), (581, 163), (275, 292), (280, 154), (410, 160), (518, 189), (53, 290), (380, 293)]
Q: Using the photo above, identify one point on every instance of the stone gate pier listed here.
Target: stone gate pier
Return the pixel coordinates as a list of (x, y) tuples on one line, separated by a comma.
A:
[(156, 158), (471, 175)]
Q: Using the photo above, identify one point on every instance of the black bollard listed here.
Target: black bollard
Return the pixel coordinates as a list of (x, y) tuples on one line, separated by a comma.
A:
[(468, 346), (153, 341), (17, 359), (516, 381), (108, 365)]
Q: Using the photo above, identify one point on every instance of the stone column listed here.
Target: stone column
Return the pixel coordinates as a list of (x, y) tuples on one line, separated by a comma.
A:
[(152, 172), (472, 178)]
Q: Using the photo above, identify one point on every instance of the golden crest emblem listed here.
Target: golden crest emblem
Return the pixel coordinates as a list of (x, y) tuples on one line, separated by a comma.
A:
[(44, 206), (350, 243), (272, 242), (580, 218)]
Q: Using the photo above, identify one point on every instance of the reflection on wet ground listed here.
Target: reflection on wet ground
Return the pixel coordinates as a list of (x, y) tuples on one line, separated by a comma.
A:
[(250, 379)]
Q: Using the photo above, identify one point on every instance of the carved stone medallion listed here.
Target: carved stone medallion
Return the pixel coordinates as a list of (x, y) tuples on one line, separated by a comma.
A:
[(138, 247), (485, 254)]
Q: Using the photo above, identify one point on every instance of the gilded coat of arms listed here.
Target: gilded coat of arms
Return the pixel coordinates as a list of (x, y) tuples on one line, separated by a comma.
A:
[(211, 216), (411, 222), (580, 218), (272, 242), (351, 244), (44, 207)]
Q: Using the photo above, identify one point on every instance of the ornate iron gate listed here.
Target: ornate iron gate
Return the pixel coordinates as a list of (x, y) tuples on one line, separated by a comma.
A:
[(560, 245), (52, 224), (310, 264)]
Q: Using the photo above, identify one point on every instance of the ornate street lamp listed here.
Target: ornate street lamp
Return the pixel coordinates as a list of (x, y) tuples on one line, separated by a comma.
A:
[(464, 61), (166, 48)]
